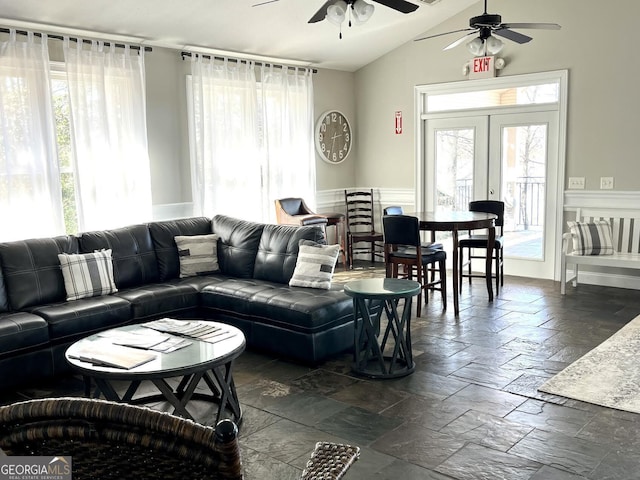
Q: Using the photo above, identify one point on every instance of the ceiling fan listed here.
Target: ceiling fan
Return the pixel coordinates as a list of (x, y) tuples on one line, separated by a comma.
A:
[(401, 6), (487, 24)]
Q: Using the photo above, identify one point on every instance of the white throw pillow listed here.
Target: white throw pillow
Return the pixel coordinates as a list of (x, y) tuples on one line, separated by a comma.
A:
[(315, 265), (198, 254), (591, 238), (88, 274)]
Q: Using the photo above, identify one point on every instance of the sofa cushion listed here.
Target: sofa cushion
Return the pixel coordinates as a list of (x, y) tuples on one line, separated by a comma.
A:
[(315, 265), (87, 274), (278, 250), (22, 331), (134, 259), (198, 254), (160, 299), (300, 309), (163, 235), (31, 270), (69, 321), (238, 245)]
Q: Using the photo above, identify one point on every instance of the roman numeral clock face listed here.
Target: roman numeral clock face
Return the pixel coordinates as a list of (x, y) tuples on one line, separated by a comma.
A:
[(333, 137)]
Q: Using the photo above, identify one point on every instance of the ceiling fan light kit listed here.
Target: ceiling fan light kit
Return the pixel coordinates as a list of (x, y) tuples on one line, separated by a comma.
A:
[(359, 11), (486, 26)]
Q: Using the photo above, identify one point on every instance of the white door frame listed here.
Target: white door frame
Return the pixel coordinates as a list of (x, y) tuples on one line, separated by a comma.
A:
[(422, 92)]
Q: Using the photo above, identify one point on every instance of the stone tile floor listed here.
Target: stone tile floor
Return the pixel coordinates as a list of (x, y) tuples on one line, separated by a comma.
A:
[(470, 411)]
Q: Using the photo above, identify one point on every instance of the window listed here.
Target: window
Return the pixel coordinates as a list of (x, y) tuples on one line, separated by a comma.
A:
[(62, 118), (251, 142)]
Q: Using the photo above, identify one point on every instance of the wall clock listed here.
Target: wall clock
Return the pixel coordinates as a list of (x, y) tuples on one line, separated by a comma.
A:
[(333, 137)]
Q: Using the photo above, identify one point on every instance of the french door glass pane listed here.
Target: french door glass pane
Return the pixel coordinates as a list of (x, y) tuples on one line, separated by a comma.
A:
[(524, 158), (454, 168)]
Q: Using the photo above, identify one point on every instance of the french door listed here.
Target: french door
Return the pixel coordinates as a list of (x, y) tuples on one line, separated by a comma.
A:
[(503, 156)]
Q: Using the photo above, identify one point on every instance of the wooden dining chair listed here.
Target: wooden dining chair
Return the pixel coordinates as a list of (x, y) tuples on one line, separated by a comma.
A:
[(479, 242), (361, 226), (402, 246)]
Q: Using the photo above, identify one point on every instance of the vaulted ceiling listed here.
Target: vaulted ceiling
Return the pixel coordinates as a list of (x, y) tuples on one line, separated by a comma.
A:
[(276, 29)]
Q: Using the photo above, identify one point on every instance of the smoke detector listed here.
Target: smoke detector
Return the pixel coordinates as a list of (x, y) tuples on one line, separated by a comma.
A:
[(428, 2)]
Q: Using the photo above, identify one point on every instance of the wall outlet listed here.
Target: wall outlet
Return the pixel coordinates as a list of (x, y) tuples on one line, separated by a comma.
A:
[(606, 183), (576, 183)]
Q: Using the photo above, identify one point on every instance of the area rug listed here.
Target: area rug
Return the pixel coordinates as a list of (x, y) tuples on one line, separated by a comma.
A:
[(608, 375)]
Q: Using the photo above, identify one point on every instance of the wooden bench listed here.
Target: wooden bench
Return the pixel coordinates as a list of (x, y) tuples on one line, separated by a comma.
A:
[(625, 230)]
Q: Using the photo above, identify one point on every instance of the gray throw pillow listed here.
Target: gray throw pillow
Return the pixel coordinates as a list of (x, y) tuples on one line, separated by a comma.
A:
[(315, 265), (198, 254)]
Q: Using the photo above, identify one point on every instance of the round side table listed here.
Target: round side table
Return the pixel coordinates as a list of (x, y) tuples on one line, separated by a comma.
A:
[(372, 297)]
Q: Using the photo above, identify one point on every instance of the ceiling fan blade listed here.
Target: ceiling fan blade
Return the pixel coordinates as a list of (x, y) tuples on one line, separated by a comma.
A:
[(511, 35), (458, 42), (539, 26), (399, 5), (445, 33), (322, 13)]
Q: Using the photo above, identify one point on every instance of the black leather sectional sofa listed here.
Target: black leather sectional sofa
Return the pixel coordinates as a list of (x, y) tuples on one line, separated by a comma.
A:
[(251, 291)]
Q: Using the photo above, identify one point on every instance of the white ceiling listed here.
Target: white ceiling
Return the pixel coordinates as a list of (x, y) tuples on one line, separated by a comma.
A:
[(278, 29)]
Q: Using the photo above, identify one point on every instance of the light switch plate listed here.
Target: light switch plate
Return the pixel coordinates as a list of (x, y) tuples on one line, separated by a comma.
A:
[(576, 183), (606, 183)]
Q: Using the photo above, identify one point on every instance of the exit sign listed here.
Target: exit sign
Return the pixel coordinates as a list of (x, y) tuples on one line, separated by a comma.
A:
[(482, 67)]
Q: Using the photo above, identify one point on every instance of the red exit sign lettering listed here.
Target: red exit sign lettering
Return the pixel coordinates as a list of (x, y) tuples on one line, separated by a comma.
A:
[(482, 67)]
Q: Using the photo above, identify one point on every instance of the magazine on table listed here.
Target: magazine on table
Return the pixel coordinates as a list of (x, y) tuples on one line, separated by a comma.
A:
[(106, 354), (145, 339), (199, 330)]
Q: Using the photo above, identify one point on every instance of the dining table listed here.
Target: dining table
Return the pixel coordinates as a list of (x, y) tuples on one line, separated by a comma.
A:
[(454, 222)]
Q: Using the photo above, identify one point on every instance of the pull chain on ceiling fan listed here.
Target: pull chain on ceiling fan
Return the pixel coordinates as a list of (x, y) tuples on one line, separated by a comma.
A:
[(487, 24)]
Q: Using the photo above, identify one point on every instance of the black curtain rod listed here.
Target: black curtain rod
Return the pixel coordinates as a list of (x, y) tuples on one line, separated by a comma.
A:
[(259, 64), (73, 39)]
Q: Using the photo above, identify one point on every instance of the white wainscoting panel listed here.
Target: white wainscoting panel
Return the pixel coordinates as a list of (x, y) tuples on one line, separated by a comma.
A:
[(171, 211)]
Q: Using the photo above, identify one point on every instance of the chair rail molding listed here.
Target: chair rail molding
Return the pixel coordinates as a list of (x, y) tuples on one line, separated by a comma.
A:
[(597, 198)]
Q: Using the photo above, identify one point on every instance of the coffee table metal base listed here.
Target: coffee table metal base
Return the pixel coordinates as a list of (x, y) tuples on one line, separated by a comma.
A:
[(218, 380)]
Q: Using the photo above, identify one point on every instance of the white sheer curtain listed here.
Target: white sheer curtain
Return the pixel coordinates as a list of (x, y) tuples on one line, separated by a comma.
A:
[(227, 158), (287, 100), (109, 134), (251, 142), (30, 195)]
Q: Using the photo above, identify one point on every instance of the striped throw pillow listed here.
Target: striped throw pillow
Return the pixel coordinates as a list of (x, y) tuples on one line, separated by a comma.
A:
[(315, 265), (198, 254), (88, 274), (591, 238)]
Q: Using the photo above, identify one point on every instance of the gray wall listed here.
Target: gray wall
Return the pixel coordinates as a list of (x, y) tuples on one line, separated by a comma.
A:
[(597, 46)]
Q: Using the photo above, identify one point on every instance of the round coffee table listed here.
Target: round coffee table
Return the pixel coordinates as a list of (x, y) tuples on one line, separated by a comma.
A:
[(372, 297), (201, 360)]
